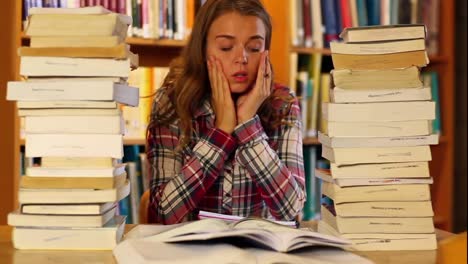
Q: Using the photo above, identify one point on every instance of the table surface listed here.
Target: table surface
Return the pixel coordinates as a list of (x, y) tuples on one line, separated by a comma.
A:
[(10, 255)]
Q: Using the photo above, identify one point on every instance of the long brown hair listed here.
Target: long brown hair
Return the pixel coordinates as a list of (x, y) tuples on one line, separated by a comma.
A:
[(187, 83)]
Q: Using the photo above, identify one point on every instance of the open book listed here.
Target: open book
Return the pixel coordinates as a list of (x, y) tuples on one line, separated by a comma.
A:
[(257, 232)]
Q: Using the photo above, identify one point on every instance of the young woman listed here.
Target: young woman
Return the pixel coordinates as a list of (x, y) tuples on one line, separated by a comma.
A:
[(222, 137)]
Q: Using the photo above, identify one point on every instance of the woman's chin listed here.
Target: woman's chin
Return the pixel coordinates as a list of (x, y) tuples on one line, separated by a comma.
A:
[(239, 88)]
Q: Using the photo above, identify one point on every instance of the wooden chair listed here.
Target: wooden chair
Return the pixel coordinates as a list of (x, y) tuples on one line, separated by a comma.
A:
[(452, 250), (143, 209)]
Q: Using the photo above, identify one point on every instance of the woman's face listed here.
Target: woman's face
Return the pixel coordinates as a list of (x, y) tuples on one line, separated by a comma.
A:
[(237, 41)]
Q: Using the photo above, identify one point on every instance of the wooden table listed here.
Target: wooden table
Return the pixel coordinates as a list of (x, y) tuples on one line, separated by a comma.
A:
[(9, 255)]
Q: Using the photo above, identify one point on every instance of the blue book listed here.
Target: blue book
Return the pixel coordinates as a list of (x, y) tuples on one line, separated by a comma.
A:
[(329, 15), (124, 209), (436, 123), (373, 12), (362, 12), (310, 209)]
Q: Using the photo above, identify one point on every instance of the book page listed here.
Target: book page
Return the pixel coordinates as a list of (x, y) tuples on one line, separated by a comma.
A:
[(196, 227), (143, 251), (262, 224)]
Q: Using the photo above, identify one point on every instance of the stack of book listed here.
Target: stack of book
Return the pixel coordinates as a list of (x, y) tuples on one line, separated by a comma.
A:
[(70, 100), (377, 137)]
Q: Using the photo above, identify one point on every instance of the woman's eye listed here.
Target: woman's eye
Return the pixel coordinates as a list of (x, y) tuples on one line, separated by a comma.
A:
[(226, 48), (253, 49)]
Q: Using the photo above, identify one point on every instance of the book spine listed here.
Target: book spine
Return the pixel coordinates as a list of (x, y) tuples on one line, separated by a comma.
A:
[(329, 16)]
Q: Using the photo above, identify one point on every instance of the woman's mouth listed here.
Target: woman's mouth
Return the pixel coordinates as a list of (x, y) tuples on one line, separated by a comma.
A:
[(240, 76)]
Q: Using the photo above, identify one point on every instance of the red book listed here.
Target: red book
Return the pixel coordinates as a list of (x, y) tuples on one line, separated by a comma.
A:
[(306, 21), (345, 12)]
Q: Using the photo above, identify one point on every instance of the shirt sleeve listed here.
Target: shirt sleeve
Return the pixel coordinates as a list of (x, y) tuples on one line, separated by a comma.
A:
[(179, 182), (279, 175)]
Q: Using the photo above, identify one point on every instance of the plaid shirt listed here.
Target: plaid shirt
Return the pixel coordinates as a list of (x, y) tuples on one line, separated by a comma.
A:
[(246, 173)]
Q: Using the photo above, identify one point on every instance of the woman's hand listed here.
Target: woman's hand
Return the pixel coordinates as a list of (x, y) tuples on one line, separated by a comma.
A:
[(249, 103), (221, 99)]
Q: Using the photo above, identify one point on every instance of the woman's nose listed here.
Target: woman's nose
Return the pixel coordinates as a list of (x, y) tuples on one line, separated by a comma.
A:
[(241, 58)]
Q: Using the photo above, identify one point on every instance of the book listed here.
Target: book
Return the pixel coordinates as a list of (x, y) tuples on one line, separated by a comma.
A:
[(374, 48), (385, 209), (73, 162), (377, 129), (356, 142), (88, 10), (379, 112), (74, 145), (67, 209), (35, 220), (381, 170), (73, 182), (325, 175), (376, 154), (234, 218), (121, 51), (254, 231), (70, 238), (75, 67), (73, 89), (82, 172), (74, 125), (398, 192), (383, 33), (380, 61), (138, 246), (338, 95), (68, 80), (65, 104), (68, 112), (74, 41), (384, 242), (110, 24), (391, 225), (377, 79), (72, 196)]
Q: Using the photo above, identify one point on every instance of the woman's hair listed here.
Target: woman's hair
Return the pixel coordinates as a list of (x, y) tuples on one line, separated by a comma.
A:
[(187, 83)]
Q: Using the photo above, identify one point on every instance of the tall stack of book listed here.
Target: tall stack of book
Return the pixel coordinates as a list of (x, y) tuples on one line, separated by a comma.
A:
[(70, 99), (377, 136)]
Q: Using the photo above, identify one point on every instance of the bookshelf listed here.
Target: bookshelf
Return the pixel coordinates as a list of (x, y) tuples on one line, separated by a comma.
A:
[(161, 52), (442, 164)]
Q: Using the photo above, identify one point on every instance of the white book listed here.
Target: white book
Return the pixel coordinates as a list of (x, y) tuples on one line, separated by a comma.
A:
[(376, 155), (65, 104), (47, 79), (89, 10), (385, 242), (74, 125), (73, 91), (72, 196), (70, 238), (78, 145), (381, 170), (339, 95), (69, 112), (390, 225), (378, 129), (374, 80), (67, 209), (379, 112), (385, 209), (76, 172), (348, 182), (35, 220), (364, 142), (396, 192), (79, 67), (385, 47)]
